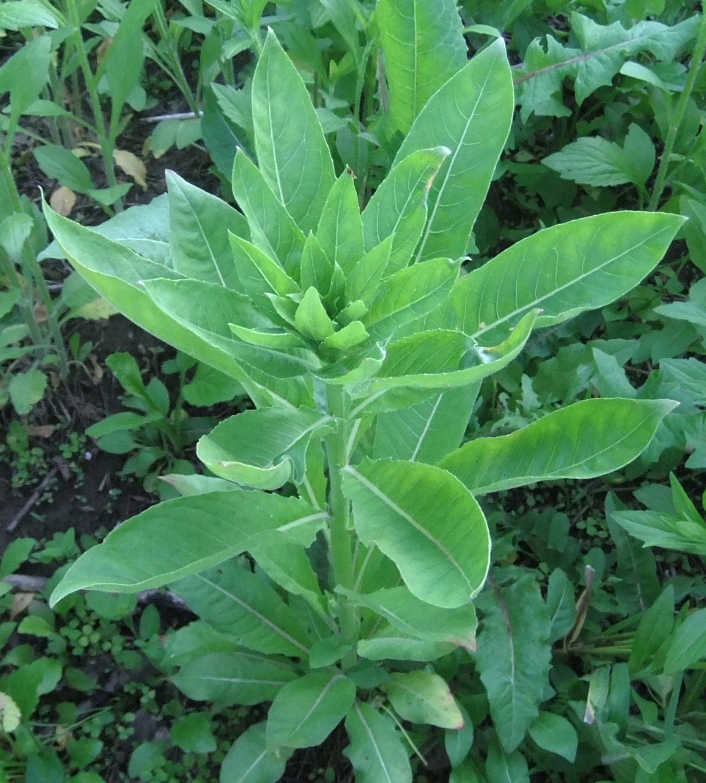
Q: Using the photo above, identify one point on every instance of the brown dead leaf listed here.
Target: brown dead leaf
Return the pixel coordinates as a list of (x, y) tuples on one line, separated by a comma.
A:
[(62, 200), (132, 166), (20, 601), (102, 50), (40, 312), (41, 430), (95, 372)]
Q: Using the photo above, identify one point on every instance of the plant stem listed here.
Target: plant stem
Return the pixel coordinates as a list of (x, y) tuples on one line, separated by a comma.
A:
[(177, 74), (672, 707), (675, 123), (340, 536)]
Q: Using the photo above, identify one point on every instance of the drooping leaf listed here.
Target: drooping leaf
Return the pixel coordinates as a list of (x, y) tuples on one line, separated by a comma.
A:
[(249, 760), (198, 233), (471, 116), (390, 644), (233, 678), (514, 657), (424, 47), (376, 752), (565, 270), (398, 207), (587, 439), (291, 149), (159, 545), (424, 521), (308, 709), (243, 606), (423, 697)]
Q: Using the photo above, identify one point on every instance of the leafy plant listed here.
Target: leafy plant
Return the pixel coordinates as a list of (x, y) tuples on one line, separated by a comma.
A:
[(358, 331)]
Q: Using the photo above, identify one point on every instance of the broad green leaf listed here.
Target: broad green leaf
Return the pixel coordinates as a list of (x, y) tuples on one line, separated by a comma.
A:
[(261, 448), (513, 658), (351, 335), (365, 275), (654, 528), (423, 697), (416, 618), (250, 761), (398, 207), (267, 338), (311, 318), (287, 563), (15, 14), (503, 766), (271, 226), (426, 432), (561, 604), (317, 269), (424, 47), (159, 544), (389, 644), (565, 270), (308, 709), (471, 116), (410, 294), (60, 164), (291, 149), (25, 73), (440, 359), (554, 733), (654, 630), (192, 734), (458, 742), (465, 773), (199, 224), (26, 389), (688, 644), (424, 520), (587, 439), (376, 752), (244, 607), (340, 228), (233, 678)]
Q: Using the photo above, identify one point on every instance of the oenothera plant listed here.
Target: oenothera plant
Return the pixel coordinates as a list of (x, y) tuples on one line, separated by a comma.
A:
[(362, 345)]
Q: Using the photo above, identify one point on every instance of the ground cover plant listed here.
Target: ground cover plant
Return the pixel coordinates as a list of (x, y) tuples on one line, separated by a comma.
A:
[(357, 329)]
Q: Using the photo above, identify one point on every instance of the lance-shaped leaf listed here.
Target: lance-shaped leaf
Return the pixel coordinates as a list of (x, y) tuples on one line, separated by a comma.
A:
[(340, 229), (316, 267), (271, 226), (249, 760), (377, 752), (410, 294), (311, 318), (471, 115), (564, 270), (364, 278), (233, 678), (243, 606), (159, 544), (581, 441), (427, 522), (442, 359), (262, 448), (423, 697), (655, 528), (291, 149), (308, 709), (398, 207), (287, 563), (424, 47), (419, 619), (198, 233), (426, 432), (120, 275), (514, 658), (390, 644)]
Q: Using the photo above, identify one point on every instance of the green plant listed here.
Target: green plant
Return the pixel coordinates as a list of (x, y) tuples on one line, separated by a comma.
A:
[(359, 332)]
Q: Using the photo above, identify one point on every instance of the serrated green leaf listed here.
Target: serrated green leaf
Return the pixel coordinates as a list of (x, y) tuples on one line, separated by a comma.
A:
[(583, 440)]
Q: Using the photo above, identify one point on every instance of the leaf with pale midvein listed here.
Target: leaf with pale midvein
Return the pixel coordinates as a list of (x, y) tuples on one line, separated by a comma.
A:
[(233, 678), (119, 274), (427, 522), (564, 270), (428, 431), (424, 47), (471, 115), (159, 544), (441, 359), (250, 761), (398, 207), (308, 709), (291, 149), (263, 448), (288, 564), (514, 657), (364, 278), (198, 233), (340, 228), (419, 619), (272, 228), (259, 274), (390, 644), (583, 440), (423, 697), (376, 752), (244, 607)]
